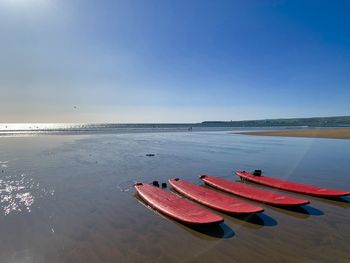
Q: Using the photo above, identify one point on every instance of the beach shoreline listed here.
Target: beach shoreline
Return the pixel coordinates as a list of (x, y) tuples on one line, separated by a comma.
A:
[(339, 133)]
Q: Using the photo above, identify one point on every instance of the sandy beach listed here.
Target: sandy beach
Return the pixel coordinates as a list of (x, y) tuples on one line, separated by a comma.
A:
[(343, 133), (70, 199)]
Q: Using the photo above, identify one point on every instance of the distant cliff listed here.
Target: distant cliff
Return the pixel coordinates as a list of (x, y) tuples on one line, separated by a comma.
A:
[(339, 121)]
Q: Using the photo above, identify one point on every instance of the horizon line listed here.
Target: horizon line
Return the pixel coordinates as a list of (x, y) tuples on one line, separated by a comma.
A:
[(128, 123)]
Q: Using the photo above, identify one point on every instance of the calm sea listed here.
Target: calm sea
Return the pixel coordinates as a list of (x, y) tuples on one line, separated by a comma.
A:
[(110, 128)]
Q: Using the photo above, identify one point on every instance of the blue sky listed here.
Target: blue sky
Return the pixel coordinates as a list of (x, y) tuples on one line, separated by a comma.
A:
[(172, 61)]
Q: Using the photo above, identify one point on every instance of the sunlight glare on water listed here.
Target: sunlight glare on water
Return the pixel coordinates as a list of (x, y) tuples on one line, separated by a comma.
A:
[(15, 194), (16, 191), (33, 126)]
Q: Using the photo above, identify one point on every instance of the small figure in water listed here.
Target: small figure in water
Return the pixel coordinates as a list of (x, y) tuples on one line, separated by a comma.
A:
[(190, 128)]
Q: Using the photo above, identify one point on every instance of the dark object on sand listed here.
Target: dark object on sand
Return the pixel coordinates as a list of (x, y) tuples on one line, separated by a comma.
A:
[(257, 172), (155, 183), (164, 185), (150, 154)]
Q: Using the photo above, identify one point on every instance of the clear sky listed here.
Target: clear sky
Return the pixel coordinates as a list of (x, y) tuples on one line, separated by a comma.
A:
[(172, 61)]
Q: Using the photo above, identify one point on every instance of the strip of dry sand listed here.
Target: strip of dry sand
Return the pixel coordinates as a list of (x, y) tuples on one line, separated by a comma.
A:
[(341, 133)]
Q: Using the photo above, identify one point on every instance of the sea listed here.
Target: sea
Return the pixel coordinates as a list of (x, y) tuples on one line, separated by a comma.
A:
[(112, 128)]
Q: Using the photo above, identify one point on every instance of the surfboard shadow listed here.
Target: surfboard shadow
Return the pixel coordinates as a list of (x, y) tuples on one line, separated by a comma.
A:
[(307, 209), (260, 219), (302, 212), (221, 230), (343, 201)]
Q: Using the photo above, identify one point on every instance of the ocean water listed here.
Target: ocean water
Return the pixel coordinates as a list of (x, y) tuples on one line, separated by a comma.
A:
[(70, 198), (13, 129)]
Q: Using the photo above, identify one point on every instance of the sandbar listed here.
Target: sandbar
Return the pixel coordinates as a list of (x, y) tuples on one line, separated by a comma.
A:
[(335, 133)]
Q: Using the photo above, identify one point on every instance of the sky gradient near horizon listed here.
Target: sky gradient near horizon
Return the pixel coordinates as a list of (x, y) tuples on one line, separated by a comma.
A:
[(172, 61)]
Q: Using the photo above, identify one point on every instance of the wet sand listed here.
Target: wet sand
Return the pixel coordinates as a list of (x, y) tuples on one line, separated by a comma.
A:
[(70, 199), (311, 133)]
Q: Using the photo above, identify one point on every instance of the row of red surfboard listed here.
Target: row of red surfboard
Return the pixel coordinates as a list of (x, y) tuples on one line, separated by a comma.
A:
[(187, 212)]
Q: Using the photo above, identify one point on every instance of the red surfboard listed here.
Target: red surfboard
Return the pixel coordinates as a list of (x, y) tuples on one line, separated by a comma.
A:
[(252, 193), (213, 199), (291, 186), (175, 207)]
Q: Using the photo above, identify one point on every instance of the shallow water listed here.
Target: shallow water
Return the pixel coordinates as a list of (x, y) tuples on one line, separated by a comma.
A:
[(70, 199)]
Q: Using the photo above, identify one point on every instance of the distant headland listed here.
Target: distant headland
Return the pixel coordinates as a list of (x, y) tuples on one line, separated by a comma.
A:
[(337, 121)]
